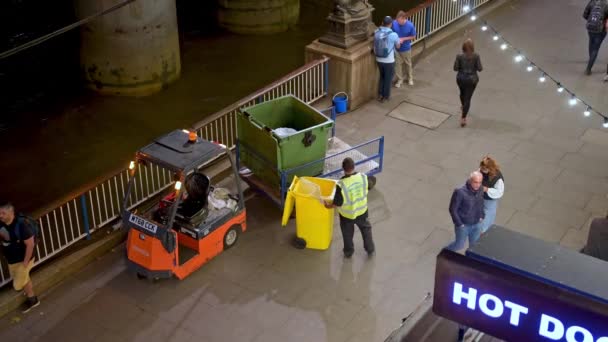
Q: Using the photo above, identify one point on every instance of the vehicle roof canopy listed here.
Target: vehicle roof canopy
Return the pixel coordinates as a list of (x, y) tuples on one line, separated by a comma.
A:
[(175, 152)]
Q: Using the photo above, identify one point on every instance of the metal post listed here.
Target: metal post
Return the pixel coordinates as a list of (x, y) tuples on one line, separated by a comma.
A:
[(427, 20), (85, 216), (333, 117), (381, 151), (326, 78), (283, 188), (238, 155), (259, 99)]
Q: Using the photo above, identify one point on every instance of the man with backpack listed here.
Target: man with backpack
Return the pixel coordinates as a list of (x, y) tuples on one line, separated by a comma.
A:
[(18, 236), (595, 13), (385, 43)]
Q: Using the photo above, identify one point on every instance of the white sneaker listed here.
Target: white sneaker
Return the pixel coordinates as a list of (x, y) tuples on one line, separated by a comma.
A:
[(398, 84), (410, 82)]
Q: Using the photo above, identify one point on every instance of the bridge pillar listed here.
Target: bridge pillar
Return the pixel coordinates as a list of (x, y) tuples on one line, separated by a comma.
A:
[(133, 51), (258, 16)]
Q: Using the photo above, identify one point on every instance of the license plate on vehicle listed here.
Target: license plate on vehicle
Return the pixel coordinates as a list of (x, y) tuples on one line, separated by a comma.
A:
[(140, 222)]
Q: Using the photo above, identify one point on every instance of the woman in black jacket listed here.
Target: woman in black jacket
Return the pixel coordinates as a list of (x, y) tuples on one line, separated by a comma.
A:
[(467, 64)]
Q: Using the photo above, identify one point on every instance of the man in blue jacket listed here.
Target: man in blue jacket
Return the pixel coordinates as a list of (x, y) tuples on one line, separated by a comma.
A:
[(406, 31), (466, 209)]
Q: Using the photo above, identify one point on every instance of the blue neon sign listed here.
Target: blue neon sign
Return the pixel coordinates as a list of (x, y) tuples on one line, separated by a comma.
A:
[(513, 307)]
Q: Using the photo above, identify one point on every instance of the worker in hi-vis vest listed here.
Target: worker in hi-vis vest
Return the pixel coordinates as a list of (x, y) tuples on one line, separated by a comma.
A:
[(351, 201)]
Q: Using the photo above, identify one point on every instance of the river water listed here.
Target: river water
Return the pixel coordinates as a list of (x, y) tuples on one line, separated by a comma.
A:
[(56, 138)]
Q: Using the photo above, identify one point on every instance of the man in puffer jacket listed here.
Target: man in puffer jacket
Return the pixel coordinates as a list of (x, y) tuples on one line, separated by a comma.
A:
[(466, 209)]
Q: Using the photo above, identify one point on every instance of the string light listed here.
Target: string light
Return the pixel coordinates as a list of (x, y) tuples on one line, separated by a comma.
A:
[(466, 8), (587, 111), (519, 57)]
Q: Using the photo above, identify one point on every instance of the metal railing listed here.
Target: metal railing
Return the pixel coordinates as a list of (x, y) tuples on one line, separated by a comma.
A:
[(76, 218), (433, 15)]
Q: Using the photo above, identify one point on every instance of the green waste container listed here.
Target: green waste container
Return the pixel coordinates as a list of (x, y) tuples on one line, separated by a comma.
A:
[(265, 148)]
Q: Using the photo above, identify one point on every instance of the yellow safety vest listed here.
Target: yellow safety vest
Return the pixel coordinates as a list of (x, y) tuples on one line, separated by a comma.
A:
[(354, 192)]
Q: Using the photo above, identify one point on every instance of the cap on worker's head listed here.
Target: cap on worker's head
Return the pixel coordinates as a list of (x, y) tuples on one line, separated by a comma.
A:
[(348, 164), (387, 20)]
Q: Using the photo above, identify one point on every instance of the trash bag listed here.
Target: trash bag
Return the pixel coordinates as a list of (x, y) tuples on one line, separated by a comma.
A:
[(310, 189), (283, 132)]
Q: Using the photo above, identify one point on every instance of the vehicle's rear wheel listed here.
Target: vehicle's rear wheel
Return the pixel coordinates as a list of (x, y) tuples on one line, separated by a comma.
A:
[(231, 236)]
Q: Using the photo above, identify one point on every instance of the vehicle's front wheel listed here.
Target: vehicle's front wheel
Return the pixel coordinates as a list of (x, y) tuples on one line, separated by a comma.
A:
[(231, 236)]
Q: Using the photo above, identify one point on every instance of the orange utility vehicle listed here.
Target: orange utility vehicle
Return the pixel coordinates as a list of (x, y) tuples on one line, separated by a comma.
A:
[(166, 240)]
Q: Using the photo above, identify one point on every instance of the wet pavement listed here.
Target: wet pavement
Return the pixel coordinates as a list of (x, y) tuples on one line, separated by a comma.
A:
[(554, 163)]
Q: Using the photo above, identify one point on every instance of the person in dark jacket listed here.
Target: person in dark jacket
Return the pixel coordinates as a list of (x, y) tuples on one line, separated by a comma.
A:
[(597, 240), (18, 242), (466, 209), (467, 64), (595, 14)]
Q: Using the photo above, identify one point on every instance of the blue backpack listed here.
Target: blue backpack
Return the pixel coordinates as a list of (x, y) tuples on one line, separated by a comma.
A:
[(23, 219), (381, 43)]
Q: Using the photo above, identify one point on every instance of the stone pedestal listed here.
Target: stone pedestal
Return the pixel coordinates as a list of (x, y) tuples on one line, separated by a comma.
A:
[(352, 70), (346, 31)]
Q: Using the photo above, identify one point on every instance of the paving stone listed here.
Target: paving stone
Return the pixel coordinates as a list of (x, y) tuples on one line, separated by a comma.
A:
[(539, 152), (418, 115), (538, 227), (596, 136), (574, 239), (558, 212)]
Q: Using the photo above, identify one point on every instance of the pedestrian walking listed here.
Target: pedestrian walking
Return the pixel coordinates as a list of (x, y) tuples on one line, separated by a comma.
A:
[(493, 190), (385, 43), (18, 234), (406, 31), (351, 201), (467, 64), (595, 14), (466, 209)]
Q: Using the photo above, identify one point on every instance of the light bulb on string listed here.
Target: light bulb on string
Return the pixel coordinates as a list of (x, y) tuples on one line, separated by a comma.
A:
[(573, 101), (503, 46), (587, 111), (473, 17), (466, 8), (495, 38), (484, 28), (519, 58), (605, 122), (529, 68), (560, 89), (542, 78)]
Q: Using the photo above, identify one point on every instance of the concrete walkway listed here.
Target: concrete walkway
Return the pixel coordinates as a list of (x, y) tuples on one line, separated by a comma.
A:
[(264, 290)]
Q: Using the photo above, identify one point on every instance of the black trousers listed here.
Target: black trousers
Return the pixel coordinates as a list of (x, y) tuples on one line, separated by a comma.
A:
[(387, 71), (595, 42), (467, 87), (348, 231)]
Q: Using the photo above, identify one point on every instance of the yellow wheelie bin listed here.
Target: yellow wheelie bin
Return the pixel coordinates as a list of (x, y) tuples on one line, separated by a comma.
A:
[(314, 222)]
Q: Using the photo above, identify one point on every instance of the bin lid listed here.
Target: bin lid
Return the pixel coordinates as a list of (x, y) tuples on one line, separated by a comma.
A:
[(289, 201), (288, 209)]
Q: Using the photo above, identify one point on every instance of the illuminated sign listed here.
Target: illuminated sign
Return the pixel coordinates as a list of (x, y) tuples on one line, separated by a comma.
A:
[(513, 307)]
